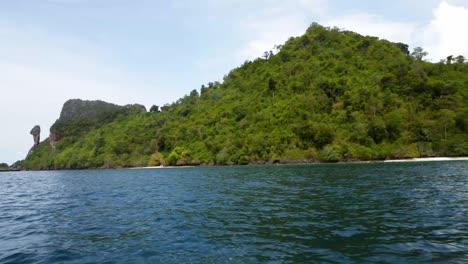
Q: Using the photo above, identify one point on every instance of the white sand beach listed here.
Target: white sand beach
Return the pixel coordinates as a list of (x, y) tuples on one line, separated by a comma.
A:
[(159, 167), (428, 159)]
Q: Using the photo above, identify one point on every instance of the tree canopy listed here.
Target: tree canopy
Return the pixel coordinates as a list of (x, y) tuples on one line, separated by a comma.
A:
[(329, 95)]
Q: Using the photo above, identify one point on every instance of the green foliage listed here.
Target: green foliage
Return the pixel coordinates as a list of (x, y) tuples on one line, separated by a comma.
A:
[(156, 159), (4, 166), (179, 156), (411, 151), (329, 95), (419, 54), (154, 109), (331, 153)]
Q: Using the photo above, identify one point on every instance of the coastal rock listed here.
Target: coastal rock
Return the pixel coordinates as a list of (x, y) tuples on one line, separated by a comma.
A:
[(36, 133)]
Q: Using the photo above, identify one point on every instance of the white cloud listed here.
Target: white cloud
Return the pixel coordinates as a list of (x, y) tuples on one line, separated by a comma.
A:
[(269, 33), (445, 34), (457, 2), (40, 71), (442, 36), (276, 22), (372, 25)]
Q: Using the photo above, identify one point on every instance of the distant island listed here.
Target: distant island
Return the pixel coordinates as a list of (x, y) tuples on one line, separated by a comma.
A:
[(327, 96), (4, 168)]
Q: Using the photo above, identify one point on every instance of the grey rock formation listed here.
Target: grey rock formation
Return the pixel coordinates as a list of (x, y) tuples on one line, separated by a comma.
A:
[(86, 115), (36, 133)]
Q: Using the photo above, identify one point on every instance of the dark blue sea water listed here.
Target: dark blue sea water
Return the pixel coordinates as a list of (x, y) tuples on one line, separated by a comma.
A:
[(341, 213)]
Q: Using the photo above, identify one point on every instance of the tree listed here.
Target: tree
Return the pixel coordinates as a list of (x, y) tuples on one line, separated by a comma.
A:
[(448, 118), (418, 54), (165, 107), (203, 89), (272, 86), (403, 47), (194, 93), (154, 109), (267, 54), (3, 166), (460, 59), (449, 59)]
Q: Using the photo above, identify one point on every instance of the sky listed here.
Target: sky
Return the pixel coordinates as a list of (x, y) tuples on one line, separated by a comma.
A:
[(154, 51)]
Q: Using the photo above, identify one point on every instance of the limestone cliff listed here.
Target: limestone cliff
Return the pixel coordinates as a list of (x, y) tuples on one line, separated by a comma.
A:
[(36, 133), (79, 116)]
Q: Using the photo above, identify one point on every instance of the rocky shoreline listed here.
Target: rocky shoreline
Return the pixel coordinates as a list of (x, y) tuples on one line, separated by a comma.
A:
[(9, 170), (269, 162)]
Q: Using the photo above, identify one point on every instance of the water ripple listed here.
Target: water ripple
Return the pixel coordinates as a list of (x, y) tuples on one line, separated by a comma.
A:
[(352, 213)]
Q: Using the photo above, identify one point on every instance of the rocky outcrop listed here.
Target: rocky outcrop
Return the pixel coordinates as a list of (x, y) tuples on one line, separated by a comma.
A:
[(52, 138), (36, 133), (76, 109), (79, 116)]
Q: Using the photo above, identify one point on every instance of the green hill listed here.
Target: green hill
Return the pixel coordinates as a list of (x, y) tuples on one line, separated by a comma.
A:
[(328, 95), (78, 117)]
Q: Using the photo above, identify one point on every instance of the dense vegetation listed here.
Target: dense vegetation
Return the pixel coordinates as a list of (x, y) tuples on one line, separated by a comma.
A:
[(78, 117), (329, 95)]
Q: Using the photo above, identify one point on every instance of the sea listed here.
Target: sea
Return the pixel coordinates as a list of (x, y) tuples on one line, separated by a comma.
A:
[(415, 212)]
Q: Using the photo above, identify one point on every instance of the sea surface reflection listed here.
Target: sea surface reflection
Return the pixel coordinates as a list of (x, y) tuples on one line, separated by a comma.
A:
[(393, 213)]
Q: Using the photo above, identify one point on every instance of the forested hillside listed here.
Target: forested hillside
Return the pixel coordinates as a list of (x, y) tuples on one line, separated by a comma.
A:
[(329, 95)]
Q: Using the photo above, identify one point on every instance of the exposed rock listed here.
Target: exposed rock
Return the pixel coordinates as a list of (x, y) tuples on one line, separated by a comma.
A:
[(36, 133), (52, 138), (78, 116), (76, 109)]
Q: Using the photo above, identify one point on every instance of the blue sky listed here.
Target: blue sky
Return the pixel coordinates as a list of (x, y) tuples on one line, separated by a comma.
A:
[(154, 52)]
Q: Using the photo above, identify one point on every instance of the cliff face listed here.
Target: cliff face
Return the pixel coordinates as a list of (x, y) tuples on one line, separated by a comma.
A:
[(79, 116), (36, 133), (76, 109)]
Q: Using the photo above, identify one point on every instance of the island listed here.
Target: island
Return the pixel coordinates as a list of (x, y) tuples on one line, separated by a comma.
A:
[(329, 95), (5, 167)]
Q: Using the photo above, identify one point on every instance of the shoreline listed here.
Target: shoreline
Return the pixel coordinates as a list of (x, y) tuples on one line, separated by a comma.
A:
[(428, 159), (9, 170), (160, 167), (267, 163), (305, 162)]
